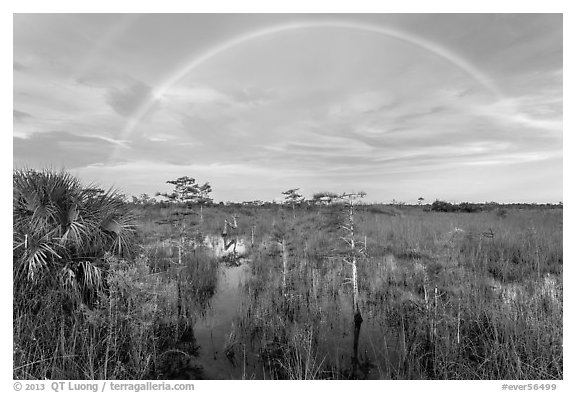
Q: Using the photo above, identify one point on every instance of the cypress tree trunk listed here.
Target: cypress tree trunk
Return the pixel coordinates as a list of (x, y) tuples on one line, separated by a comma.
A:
[(284, 265), (355, 294), (357, 325)]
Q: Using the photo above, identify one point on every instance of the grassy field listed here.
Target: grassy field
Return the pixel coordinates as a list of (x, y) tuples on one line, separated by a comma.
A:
[(442, 295)]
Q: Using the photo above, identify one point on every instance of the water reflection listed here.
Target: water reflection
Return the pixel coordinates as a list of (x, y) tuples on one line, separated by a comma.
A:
[(214, 332)]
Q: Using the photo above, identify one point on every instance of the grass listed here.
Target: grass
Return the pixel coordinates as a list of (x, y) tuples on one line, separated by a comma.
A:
[(442, 295), (447, 300), (123, 337)]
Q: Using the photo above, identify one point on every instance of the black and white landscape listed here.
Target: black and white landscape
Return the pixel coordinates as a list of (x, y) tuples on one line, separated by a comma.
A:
[(288, 196)]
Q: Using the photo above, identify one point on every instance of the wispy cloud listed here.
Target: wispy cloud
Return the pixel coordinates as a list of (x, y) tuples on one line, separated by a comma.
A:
[(532, 111), (117, 142), (21, 115), (363, 103)]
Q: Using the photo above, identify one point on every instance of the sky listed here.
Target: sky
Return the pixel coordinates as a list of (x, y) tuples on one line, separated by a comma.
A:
[(459, 107)]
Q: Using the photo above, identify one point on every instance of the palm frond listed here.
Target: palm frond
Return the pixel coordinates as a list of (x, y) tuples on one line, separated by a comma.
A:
[(92, 275), (62, 229)]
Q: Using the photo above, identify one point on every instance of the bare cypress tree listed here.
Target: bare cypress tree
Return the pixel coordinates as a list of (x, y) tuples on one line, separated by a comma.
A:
[(280, 232), (284, 263), (355, 252)]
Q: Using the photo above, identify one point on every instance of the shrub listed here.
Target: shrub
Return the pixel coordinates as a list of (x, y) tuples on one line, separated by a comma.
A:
[(442, 206), (62, 231), (467, 207)]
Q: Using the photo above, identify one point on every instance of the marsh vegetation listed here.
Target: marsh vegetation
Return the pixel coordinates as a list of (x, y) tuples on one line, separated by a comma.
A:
[(104, 289)]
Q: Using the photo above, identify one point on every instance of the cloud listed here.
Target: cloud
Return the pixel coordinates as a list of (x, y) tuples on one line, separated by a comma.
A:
[(158, 138), (117, 142), (20, 115), (18, 66), (208, 102), (250, 95), (197, 95), (410, 136), (538, 112), (58, 103), (104, 77), (125, 101), (418, 115), (62, 148), (363, 103)]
